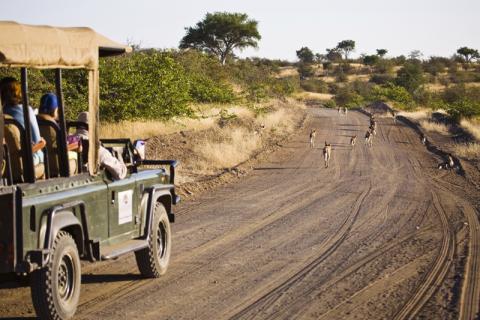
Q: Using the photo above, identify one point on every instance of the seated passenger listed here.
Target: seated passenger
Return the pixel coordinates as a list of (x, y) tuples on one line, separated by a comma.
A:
[(11, 95), (48, 111), (115, 167)]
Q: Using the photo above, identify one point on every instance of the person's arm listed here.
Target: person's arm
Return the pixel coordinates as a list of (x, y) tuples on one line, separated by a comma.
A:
[(34, 126), (117, 169), (39, 146), (74, 146)]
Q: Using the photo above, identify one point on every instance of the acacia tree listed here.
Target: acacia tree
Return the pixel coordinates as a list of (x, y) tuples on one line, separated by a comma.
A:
[(346, 46), (381, 52), (468, 53), (333, 54), (220, 33), (305, 55)]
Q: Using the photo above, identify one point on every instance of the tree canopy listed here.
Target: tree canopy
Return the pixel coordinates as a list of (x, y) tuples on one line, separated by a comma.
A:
[(333, 54), (468, 53), (346, 46), (381, 52), (370, 60), (220, 33), (305, 55), (410, 76)]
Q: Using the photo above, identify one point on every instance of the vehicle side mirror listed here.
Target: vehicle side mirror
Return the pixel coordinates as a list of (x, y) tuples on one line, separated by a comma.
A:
[(139, 146)]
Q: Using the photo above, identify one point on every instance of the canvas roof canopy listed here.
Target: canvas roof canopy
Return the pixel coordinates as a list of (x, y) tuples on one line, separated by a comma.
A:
[(46, 47), (53, 47)]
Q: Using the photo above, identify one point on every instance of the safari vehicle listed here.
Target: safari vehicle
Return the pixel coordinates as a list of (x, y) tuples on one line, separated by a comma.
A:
[(47, 225)]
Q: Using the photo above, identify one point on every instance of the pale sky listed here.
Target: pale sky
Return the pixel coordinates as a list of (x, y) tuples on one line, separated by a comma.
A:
[(435, 27)]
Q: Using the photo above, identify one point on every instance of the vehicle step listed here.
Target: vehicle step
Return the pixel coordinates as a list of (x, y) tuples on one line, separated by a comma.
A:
[(115, 251)]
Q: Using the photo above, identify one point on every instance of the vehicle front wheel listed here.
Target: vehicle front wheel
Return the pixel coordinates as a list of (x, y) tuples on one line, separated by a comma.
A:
[(56, 288), (153, 260)]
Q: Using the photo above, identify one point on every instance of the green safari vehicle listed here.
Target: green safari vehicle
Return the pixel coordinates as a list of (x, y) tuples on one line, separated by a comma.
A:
[(48, 224)]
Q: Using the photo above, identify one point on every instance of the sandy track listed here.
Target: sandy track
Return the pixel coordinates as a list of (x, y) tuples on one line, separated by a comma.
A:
[(381, 234)]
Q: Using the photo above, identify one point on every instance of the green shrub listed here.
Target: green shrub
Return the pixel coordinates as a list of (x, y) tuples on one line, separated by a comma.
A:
[(381, 78), (464, 108), (143, 85), (347, 97), (384, 66), (410, 76), (333, 88), (205, 89), (314, 85), (305, 70), (391, 92), (330, 104)]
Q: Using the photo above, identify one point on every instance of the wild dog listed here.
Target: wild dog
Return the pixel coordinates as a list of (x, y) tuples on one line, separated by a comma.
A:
[(368, 138), (313, 133), (449, 164), (423, 139), (372, 130), (353, 140), (345, 110), (327, 152)]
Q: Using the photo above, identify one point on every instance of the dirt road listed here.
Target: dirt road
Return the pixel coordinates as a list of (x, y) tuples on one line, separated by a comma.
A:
[(380, 234)]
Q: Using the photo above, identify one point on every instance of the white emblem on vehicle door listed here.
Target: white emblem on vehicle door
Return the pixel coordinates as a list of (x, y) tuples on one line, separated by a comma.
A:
[(125, 206)]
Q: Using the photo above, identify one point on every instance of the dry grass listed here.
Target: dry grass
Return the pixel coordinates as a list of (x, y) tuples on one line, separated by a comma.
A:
[(472, 84), (471, 126), (358, 77), (207, 116), (147, 129), (434, 87), (287, 72), (320, 97), (430, 126), (234, 145), (237, 145), (468, 150), (416, 115), (328, 79)]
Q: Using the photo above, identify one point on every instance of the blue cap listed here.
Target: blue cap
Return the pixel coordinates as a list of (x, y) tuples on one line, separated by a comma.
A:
[(48, 103)]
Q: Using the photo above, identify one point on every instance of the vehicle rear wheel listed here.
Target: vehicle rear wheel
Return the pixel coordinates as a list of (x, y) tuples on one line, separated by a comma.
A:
[(153, 260), (56, 288)]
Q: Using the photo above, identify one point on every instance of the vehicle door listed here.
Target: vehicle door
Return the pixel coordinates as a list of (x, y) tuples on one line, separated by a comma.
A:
[(123, 207)]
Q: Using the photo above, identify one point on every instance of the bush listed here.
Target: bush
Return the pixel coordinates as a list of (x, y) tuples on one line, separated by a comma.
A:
[(314, 85), (284, 87), (347, 97), (391, 92), (410, 76), (330, 104), (381, 78), (464, 108), (384, 66), (204, 89), (143, 85), (333, 88), (435, 65), (305, 70)]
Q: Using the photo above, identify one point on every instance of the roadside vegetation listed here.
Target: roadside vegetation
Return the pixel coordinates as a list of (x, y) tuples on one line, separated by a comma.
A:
[(155, 91)]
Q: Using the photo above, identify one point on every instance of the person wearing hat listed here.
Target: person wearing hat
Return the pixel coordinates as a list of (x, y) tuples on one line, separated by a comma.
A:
[(48, 112), (114, 166)]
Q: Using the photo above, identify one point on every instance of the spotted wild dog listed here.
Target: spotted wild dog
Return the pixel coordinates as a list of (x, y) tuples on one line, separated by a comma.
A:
[(368, 138), (327, 153), (313, 133), (353, 140)]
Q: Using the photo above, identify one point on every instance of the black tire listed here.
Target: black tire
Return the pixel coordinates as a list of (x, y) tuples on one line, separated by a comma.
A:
[(56, 288), (153, 260)]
